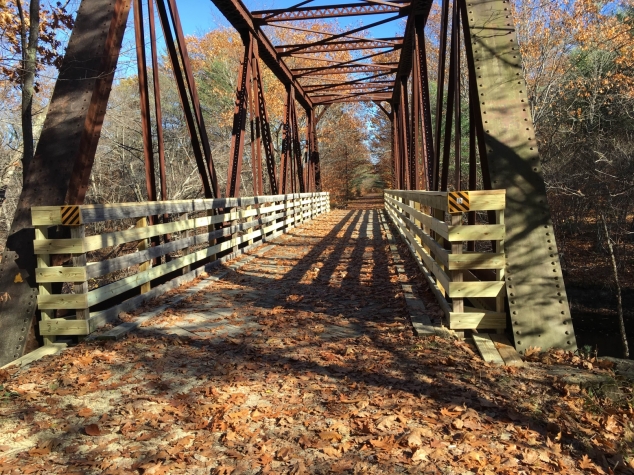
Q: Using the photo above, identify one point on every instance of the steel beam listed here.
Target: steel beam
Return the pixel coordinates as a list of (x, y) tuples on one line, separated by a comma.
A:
[(353, 69), (538, 305), (193, 125), (346, 45), (419, 9), (331, 99), (236, 154), (157, 103), (329, 11), (238, 15), (144, 94)]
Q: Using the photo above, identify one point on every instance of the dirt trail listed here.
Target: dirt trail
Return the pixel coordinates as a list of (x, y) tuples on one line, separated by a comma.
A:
[(302, 361)]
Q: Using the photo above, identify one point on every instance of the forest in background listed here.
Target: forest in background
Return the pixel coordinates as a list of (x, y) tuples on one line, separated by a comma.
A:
[(578, 59)]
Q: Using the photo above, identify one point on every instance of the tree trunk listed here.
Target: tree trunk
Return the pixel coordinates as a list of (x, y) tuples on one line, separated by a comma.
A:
[(626, 350), (29, 55)]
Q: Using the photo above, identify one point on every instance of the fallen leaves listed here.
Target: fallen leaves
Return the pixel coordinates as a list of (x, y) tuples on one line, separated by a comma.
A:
[(301, 391), (85, 412), (416, 436), (330, 435), (420, 455)]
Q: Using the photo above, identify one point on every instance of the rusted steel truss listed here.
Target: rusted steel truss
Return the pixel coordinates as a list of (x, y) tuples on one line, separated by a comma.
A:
[(330, 11), (338, 66), (250, 95)]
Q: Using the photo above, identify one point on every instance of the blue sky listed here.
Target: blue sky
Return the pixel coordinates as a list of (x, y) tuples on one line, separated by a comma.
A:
[(200, 16)]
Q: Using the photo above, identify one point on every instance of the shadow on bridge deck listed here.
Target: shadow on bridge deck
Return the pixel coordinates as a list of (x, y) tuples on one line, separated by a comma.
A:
[(302, 361)]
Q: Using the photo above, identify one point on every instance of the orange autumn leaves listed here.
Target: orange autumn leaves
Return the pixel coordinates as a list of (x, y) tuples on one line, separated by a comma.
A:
[(559, 42), (54, 19)]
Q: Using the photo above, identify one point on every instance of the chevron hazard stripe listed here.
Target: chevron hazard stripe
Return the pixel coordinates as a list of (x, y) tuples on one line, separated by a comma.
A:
[(70, 215), (458, 201)]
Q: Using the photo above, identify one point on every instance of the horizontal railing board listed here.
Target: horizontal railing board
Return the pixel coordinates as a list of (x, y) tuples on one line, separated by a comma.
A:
[(99, 269), (100, 241), (475, 289), (51, 215), (429, 262), (440, 253), (435, 199), (476, 232), (62, 301), (469, 320), (60, 326), (440, 227), (61, 274), (479, 200), (476, 260)]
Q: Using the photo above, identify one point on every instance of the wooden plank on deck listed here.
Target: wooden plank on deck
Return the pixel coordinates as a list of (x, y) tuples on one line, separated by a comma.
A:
[(35, 355), (507, 351), (487, 348)]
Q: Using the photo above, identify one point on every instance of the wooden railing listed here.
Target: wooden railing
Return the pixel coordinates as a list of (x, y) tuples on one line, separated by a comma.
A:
[(434, 227), (194, 233)]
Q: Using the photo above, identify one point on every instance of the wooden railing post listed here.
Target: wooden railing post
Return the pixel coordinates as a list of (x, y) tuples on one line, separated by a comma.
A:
[(143, 245), (210, 229), (499, 273), (79, 260), (249, 219), (43, 261), (186, 234), (456, 275)]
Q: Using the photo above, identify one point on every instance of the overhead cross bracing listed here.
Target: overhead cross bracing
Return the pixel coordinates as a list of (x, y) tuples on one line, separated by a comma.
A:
[(312, 63)]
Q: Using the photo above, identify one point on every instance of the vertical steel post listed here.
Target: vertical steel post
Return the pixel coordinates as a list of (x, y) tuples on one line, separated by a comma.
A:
[(239, 122), (474, 102), (193, 92), (315, 154), (146, 124), (440, 87), (297, 151), (256, 125), (157, 103), (286, 135), (265, 128), (209, 185), (448, 118), (415, 119), (455, 25), (407, 156), (427, 136)]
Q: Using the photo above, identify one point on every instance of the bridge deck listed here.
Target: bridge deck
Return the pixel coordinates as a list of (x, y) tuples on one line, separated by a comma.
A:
[(328, 280), (300, 361)]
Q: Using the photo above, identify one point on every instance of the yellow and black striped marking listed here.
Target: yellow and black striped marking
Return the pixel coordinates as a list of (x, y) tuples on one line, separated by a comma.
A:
[(71, 215), (458, 201)]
